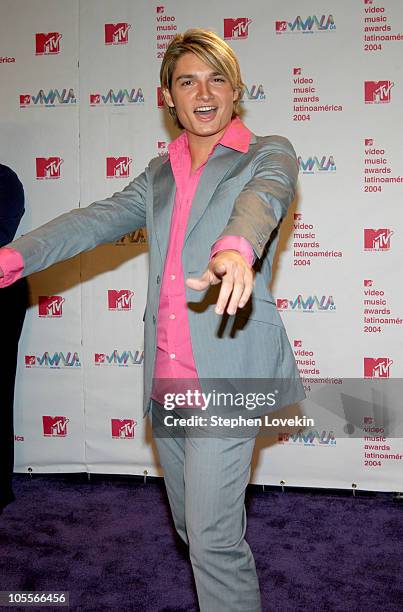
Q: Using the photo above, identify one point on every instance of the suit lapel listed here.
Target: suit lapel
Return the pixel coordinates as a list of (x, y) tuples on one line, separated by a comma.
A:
[(219, 164), (164, 197)]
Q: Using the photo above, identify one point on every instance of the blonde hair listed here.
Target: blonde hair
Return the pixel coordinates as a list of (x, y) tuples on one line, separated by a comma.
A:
[(212, 50)]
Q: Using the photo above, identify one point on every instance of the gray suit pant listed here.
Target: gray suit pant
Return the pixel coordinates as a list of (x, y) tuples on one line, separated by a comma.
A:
[(206, 479)]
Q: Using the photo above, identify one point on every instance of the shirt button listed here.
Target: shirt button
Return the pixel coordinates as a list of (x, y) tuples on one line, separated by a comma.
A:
[(172, 316), (172, 355), (173, 276), (158, 279), (154, 319)]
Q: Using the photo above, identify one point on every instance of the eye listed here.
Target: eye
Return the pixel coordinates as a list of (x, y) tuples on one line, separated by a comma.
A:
[(219, 79), (186, 83)]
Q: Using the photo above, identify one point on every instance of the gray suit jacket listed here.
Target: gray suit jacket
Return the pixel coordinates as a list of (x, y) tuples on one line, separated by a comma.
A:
[(242, 194)]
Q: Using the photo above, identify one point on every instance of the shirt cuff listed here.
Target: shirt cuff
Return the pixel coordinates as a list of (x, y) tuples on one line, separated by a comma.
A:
[(12, 266), (234, 243)]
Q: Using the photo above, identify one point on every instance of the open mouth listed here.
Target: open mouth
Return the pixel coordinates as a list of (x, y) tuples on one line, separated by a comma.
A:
[(205, 112)]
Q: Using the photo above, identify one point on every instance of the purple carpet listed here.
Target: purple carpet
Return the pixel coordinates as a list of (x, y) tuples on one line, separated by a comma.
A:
[(111, 544)]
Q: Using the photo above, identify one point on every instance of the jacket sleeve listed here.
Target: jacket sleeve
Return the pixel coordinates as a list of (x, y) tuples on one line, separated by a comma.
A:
[(264, 200), (83, 229)]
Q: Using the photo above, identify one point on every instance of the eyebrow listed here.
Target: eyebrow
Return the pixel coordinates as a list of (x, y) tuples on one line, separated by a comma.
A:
[(192, 76)]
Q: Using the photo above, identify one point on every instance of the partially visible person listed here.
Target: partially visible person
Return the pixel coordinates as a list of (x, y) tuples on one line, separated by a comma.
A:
[(13, 304)]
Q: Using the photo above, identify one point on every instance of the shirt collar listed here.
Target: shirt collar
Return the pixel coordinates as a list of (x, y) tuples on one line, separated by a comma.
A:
[(236, 136)]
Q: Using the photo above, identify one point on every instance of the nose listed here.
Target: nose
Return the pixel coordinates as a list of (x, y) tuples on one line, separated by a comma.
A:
[(203, 92)]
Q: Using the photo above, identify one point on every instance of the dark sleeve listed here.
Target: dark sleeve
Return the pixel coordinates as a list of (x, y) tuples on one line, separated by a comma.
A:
[(11, 204)]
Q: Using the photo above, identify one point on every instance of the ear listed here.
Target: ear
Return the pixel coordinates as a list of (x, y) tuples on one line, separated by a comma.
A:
[(236, 95), (168, 98)]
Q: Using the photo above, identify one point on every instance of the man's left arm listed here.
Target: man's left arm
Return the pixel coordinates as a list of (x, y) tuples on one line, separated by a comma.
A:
[(257, 211)]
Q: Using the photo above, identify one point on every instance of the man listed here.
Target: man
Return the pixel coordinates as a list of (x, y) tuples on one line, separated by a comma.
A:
[(210, 208), (13, 304)]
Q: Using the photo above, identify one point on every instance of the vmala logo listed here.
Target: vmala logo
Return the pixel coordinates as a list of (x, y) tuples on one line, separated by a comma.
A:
[(122, 98), (308, 438), (123, 359), (311, 304), (123, 428), (55, 427), (377, 239), (56, 361), (48, 167), (137, 237), (118, 167), (253, 93), (377, 92), (235, 29), (117, 33), (314, 164), (51, 99), (120, 300), (377, 368), (311, 25), (50, 305), (47, 44)]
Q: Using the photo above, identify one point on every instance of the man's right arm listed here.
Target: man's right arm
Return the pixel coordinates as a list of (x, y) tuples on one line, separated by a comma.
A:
[(77, 231)]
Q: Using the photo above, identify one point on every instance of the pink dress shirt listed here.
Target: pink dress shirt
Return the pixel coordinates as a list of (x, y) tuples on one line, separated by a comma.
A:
[(174, 357)]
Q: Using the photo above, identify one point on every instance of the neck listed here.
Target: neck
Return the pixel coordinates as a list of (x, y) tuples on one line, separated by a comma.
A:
[(201, 146)]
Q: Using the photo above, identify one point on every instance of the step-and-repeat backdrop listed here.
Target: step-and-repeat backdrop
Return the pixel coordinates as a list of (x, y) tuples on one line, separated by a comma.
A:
[(81, 116)]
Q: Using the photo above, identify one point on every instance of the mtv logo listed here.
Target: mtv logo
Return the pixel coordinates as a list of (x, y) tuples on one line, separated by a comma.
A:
[(25, 99), (377, 92), (160, 9), (281, 304), (283, 437), (368, 282), (118, 167), (236, 28), (95, 99), (30, 360), (367, 1), (117, 33), (47, 44), (377, 240), (99, 358), (369, 142), (55, 426), (50, 305), (281, 26), (160, 98), (48, 167), (162, 147), (123, 428), (377, 368), (297, 71), (297, 343), (297, 216), (368, 420), (120, 300)]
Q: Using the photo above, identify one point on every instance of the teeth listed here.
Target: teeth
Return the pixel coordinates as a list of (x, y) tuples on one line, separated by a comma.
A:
[(204, 108)]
